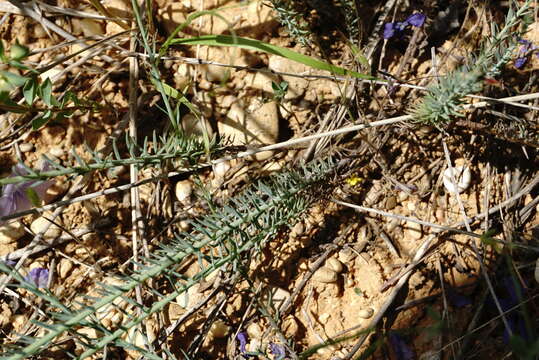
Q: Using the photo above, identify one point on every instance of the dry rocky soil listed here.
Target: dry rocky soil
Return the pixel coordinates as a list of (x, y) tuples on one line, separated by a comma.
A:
[(333, 273)]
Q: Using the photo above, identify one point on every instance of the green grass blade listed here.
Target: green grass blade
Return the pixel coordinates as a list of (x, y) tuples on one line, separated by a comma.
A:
[(251, 44)]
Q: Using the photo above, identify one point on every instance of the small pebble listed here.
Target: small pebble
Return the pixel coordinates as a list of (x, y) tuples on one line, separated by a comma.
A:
[(411, 206), (298, 229), (424, 130), (414, 230), (39, 224), (64, 268), (325, 275), (537, 270), (26, 147), (220, 170), (290, 326), (462, 177), (391, 202), (56, 151), (279, 296), (91, 27), (219, 329), (254, 330), (11, 232), (393, 224), (184, 189), (365, 313), (346, 255), (323, 318), (117, 171), (335, 265)]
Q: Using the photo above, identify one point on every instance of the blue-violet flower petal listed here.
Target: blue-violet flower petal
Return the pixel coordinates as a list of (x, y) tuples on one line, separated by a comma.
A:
[(38, 276), (278, 351), (416, 19)]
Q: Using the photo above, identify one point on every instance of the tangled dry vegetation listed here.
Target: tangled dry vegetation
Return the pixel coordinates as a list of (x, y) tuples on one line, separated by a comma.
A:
[(269, 179)]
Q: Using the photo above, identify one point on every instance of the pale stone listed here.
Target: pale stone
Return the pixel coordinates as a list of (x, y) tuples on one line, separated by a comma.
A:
[(254, 345), (53, 73), (6, 249), (11, 232), (391, 202), (261, 81), (216, 74), (18, 322), (254, 331), (411, 206), (113, 28), (278, 296), (298, 229), (296, 85), (537, 270), (325, 275), (347, 255), (219, 329), (462, 176), (40, 224), (324, 317), (134, 335), (39, 32), (260, 126), (365, 313), (54, 191), (190, 298), (91, 27), (56, 151), (413, 230), (64, 267), (26, 147), (290, 326), (183, 190), (118, 8), (173, 15), (335, 265), (220, 170), (175, 311)]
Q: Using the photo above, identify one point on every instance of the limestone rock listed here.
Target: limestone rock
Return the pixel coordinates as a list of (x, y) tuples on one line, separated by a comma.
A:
[(173, 16), (325, 275), (296, 85), (184, 189), (335, 265), (366, 313), (11, 232), (253, 125), (39, 225)]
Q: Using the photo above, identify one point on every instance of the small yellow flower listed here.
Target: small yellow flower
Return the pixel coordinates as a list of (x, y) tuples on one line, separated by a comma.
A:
[(354, 180)]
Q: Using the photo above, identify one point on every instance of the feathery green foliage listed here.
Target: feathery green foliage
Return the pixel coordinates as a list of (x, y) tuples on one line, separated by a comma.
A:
[(247, 223), (444, 99), (289, 17)]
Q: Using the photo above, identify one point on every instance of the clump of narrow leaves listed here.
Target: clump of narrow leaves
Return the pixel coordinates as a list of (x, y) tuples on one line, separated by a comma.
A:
[(34, 89)]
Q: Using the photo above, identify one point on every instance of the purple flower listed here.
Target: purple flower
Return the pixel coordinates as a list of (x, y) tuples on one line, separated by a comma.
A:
[(242, 338), (397, 28), (17, 197), (38, 276), (277, 350), (10, 263), (400, 347), (416, 19), (520, 62), (525, 49)]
